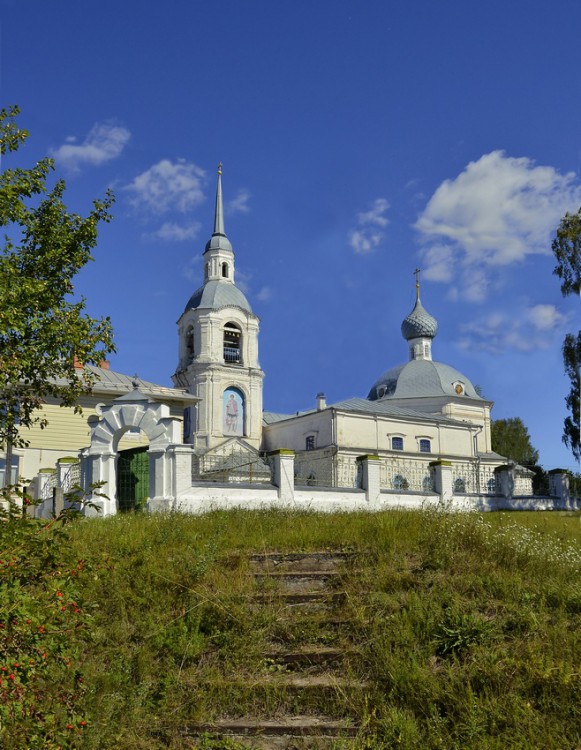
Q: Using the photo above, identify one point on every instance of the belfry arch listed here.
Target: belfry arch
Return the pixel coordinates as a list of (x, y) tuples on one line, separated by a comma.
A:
[(134, 410)]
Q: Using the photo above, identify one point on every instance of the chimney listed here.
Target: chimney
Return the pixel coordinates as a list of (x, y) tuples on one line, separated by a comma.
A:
[(77, 364), (321, 401), (104, 364)]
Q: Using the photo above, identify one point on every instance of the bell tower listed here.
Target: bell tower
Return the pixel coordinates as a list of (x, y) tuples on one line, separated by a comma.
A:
[(218, 351)]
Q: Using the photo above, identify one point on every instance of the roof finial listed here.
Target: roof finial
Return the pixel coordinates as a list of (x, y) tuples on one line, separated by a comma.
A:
[(417, 275), (219, 213)]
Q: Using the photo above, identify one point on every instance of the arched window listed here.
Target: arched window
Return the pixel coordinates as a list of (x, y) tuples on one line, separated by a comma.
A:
[(233, 412), (232, 344), (207, 270), (397, 444), (190, 344), (460, 485), (310, 443), (225, 270)]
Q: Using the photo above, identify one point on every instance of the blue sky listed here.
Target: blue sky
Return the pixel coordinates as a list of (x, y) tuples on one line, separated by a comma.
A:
[(359, 140)]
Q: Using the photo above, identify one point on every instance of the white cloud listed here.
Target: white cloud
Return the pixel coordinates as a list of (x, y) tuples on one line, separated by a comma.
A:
[(104, 142), (265, 294), (172, 232), (239, 204), (376, 215), (546, 317), (524, 330), (168, 186), (365, 237), (496, 212)]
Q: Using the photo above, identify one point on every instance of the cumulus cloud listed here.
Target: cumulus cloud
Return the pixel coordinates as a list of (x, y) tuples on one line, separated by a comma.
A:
[(524, 330), (546, 317), (239, 204), (496, 212), (172, 232), (168, 186), (368, 234), (104, 142)]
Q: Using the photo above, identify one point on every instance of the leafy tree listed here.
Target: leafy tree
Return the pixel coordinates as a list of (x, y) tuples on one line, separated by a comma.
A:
[(572, 360), (42, 328), (511, 438), (567, 249)]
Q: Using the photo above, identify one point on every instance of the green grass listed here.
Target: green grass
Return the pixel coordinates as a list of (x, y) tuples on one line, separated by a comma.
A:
[(466, 628)]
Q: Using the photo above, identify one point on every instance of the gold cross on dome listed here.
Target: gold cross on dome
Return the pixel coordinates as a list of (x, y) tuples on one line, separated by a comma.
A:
[(417, 275)]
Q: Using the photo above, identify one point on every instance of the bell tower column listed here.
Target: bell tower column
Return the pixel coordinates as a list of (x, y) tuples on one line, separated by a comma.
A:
[(218, 351)]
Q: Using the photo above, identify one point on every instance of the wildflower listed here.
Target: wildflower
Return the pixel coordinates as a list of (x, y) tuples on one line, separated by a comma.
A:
[(59, 594)]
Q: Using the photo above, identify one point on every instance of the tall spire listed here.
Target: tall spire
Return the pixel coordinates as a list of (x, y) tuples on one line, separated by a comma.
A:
[(219, 213)]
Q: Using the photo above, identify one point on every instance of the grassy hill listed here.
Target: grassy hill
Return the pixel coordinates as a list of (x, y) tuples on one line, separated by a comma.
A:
[(447, 631)]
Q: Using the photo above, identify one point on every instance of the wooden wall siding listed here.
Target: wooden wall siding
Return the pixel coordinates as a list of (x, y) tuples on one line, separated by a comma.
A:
[(67, 431)]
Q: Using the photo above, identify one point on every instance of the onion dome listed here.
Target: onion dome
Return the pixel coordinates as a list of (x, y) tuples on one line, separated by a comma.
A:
[(419, 323)]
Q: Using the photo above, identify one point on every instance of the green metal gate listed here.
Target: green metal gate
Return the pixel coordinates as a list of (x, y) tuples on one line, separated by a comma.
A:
[(132, 479)]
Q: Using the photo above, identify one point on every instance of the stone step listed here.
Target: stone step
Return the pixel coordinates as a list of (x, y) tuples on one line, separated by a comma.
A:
[(287, 726), (297, 561), (308, 656), (298, 581), (322, 598)]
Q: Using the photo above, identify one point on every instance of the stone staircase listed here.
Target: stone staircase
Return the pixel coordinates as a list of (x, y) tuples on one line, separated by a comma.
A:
[(310, 691)]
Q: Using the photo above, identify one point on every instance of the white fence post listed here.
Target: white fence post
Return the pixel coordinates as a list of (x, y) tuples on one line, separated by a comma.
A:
[(368, 469), (283, 471)]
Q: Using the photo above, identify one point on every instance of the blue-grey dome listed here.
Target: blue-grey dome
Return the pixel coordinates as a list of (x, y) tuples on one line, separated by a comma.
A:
[(421, 378), (217, 294), (419, 324), (218, 242)]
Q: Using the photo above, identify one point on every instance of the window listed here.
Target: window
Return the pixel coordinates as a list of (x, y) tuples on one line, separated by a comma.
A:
[(232, 337), (190, 344), (397, 444), (425, 446), (225, 270), (310, 443), (14, 474), (460, 485)]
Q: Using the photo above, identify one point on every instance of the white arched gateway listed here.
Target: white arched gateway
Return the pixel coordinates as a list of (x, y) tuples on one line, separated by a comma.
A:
[(169, 458)]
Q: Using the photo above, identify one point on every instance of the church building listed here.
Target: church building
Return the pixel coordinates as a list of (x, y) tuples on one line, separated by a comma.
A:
[(414, 412), (148, 443)]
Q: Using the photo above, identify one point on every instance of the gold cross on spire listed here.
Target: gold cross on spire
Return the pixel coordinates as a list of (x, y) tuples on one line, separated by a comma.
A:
[(417, 275), (220, 168)]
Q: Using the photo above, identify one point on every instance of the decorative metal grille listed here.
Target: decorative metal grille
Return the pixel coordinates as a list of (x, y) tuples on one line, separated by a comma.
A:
[(46, 492), (313, 469), (236, 466), (405, 474), (72, 477)]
